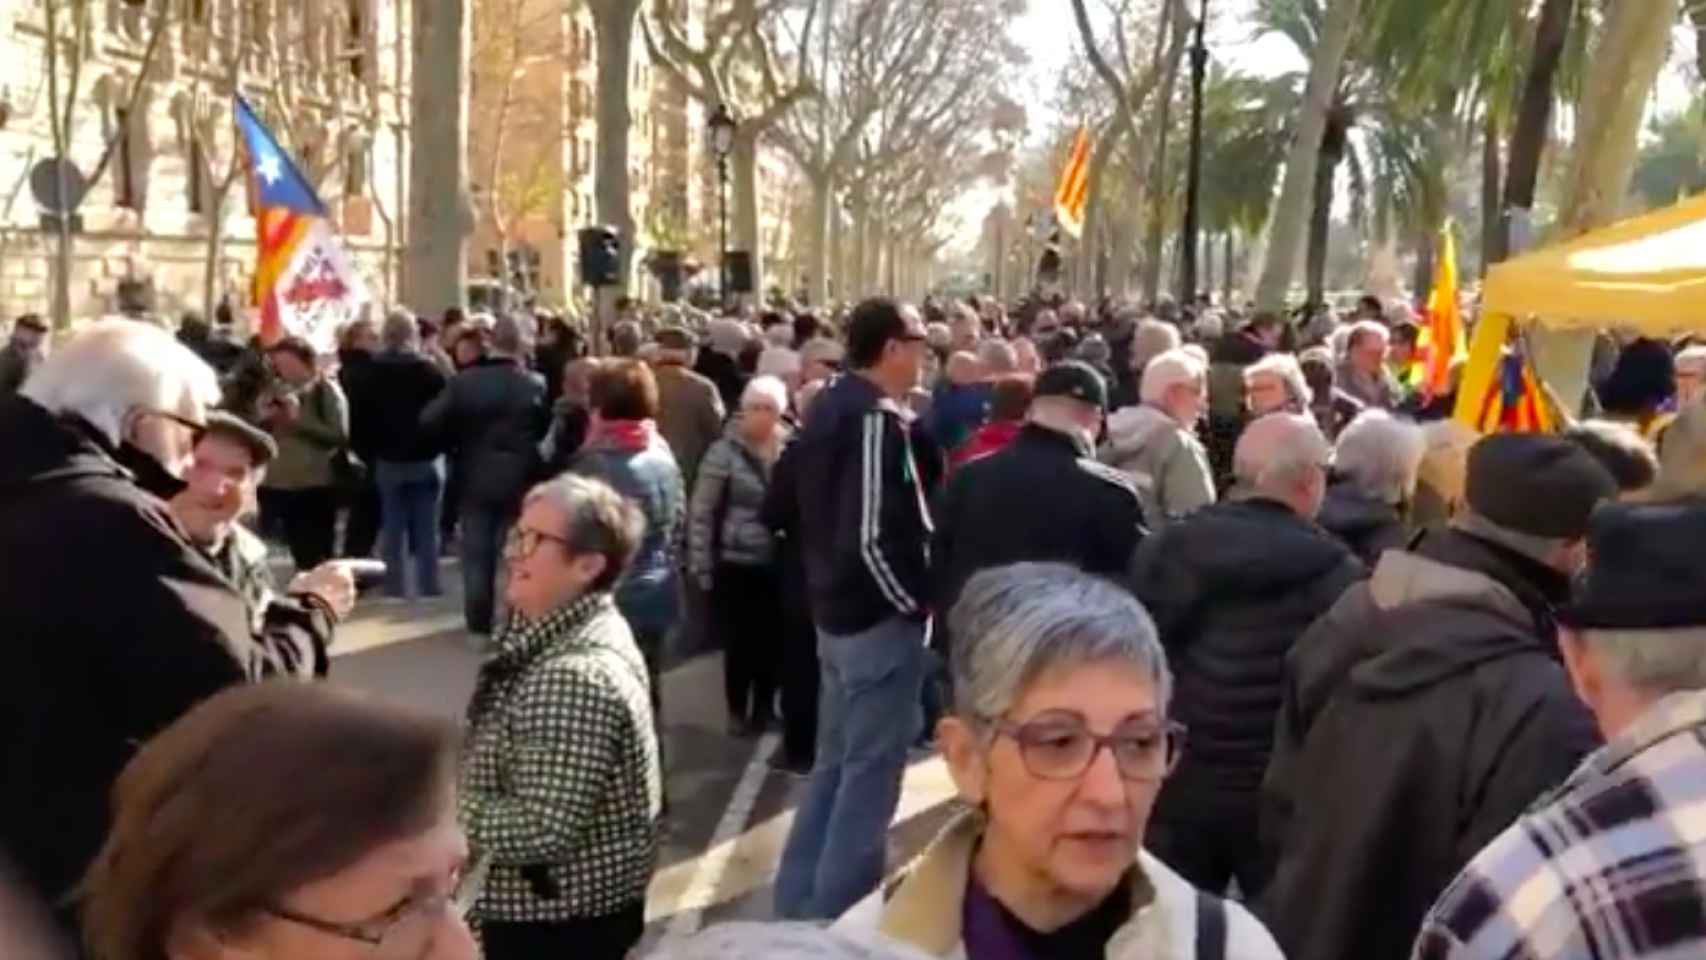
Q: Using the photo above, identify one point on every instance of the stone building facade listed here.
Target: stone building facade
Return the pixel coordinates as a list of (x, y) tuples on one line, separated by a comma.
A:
[(329, 76)]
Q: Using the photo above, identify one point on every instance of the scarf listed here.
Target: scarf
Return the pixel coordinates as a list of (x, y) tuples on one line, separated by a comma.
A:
[(631, 436)]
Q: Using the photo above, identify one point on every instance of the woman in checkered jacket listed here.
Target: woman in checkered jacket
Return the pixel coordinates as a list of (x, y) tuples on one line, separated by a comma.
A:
[(561, 787)]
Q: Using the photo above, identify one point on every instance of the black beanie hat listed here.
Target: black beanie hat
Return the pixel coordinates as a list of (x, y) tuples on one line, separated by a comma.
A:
[(1644, 571), (1541, 485)]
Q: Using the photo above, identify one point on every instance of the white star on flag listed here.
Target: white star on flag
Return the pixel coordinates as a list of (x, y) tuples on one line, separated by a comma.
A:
[(268, 169)]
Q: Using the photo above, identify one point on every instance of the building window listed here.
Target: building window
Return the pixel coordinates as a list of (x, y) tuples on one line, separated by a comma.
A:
[(357, 51), (355, 171)]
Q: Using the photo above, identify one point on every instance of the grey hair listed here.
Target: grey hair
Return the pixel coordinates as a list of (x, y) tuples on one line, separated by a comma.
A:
[(1013, 623), (114, 367), (1654, 662), (509, 337), (822, 350), (750, 940), (601, 521), (998, 357), (1171, 369), (1290, 372), (1152, 339), (400, 332), (1381, 454), (1276, 452)]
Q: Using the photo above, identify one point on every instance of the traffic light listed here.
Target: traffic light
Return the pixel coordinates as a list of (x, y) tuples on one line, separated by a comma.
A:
[(601, 256)]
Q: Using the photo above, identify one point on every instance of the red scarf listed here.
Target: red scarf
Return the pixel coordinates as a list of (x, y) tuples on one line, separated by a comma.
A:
[(628, 435)]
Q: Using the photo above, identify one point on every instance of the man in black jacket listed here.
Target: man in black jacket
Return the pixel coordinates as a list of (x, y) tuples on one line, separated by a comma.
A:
[(865, 530), (405, 459), (492, 417), (1231, 588), (115, 623), (1055, 501), (1429, 708)]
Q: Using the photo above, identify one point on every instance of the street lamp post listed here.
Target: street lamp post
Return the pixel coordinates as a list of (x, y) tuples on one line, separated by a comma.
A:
[(1193, 187), (722, 142)]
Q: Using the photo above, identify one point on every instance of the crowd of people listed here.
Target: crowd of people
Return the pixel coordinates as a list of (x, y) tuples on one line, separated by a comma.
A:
[(1368, 685)]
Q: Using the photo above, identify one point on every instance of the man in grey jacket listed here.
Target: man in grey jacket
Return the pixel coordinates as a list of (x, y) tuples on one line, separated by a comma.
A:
[(1155, 443)]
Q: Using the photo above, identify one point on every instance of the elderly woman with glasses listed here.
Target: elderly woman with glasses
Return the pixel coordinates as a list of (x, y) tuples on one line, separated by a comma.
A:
[(1059, 741), (561, 788)]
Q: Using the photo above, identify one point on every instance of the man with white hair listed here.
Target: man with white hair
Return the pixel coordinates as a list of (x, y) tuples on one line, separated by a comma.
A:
[(1275, 384), (1611, 865), (1434, 688), (1363, 373), (1375, 464), (1155, 443), (1231, 588), (116, 624)]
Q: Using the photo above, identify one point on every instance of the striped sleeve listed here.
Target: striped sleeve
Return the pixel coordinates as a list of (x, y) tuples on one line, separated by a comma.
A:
[(871, 547)]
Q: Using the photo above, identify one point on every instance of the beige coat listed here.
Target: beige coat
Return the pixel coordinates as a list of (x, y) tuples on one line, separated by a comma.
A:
[(923, 909)]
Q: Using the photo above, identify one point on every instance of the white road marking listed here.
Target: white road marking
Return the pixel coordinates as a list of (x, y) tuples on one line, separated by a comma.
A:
[(687, 913)]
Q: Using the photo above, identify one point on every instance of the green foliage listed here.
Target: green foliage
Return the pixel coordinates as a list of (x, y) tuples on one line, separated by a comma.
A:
[(1672, 165)]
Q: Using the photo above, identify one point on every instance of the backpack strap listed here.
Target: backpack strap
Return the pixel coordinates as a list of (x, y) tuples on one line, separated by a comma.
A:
[(1211, 927)]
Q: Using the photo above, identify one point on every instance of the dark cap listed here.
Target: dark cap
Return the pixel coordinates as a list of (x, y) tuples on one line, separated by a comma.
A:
[(1541, 485), (675, 338), (1073, 379), (1644, 570), (260, 444)]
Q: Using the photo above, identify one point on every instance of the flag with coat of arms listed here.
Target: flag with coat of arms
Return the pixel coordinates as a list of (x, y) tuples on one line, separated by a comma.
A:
[(306, 284)]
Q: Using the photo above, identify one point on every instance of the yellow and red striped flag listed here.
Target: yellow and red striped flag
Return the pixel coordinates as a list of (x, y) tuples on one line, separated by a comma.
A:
[(1443, 342), (1499, 392), (1072, 195)]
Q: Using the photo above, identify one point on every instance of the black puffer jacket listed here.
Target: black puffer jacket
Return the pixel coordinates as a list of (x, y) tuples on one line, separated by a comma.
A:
[(1367, 524), (398, 386), (492, 416), (1422, 715), (1231, 588), (115, 626)]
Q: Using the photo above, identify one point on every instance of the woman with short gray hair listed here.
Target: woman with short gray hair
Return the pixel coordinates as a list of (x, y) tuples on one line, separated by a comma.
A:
[(1373, 481), (561, 788), (1060, 740)]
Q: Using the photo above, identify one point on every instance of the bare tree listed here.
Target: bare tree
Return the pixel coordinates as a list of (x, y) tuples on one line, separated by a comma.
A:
[(737, 64)]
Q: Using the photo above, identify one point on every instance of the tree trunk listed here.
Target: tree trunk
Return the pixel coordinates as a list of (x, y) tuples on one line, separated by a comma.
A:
[(1534, 116), (1321, 210), (1491, 215), (214, 251), (1623, 68), (858, 281), (439, 215), (817, 239), (835, 287), (1422, 281), (1158, 176), (743, 171), (1226, 271), (1291, 210)]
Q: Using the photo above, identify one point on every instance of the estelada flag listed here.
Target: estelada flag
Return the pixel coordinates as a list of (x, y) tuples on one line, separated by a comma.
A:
[(1072, 194), (1499, 392), (1443, 343), (305, 284)]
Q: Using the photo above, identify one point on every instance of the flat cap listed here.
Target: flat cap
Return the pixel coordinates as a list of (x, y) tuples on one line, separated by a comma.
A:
[(1645, 570), (259, 443), (1074, 379)]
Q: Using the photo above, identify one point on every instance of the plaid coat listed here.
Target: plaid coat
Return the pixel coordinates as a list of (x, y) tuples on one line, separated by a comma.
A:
[(560, 784), (1610, 866)]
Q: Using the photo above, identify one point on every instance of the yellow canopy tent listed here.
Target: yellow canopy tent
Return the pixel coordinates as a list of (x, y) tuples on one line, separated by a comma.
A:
[(1647, 274)]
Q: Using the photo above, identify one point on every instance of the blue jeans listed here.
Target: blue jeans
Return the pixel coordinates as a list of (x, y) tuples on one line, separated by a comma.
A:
[(484, 527), (868, 716), (408, 500)]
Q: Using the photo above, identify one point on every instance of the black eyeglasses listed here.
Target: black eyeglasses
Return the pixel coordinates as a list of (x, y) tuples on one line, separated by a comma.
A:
[(522, 541), (406, 930), (1063, 749)]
